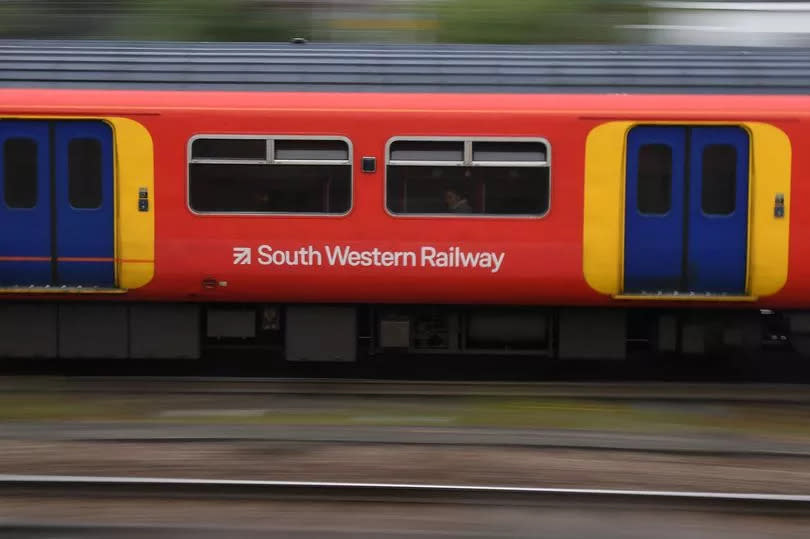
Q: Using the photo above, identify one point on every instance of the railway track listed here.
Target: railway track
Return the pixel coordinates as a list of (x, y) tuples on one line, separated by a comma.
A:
[(722, 420), (222, 489), (676, 392)]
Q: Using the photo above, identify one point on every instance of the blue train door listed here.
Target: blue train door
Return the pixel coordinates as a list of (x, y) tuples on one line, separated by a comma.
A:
[(718, 210), (686, 210), (25, 215), (654, 209), (83, 173), (57, 217)]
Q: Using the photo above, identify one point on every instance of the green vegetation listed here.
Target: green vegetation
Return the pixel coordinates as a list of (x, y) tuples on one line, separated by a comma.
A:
[(502, 412), (170, 20), (211, 20), (459, 21), (531, 21)]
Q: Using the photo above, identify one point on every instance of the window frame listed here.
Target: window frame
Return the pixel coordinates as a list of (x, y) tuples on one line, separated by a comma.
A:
[(270, 144), (468, 142)]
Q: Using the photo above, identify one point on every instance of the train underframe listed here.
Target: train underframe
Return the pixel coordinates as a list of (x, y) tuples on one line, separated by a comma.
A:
[(356, 333)]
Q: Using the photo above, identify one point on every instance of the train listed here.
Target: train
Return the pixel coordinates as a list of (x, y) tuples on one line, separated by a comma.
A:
[(334, 202)]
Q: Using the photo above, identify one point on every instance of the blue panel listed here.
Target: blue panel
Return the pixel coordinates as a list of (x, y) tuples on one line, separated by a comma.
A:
[(83, 168), (653, 246), (718, 231), (25, 241)]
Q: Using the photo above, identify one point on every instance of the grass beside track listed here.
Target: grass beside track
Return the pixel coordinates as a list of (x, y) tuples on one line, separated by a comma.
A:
[(648, 416)]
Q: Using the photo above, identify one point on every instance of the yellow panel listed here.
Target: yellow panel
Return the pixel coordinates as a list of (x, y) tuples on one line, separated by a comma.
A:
[(603, 240), (768, 236), (134, 160), (603, 236)]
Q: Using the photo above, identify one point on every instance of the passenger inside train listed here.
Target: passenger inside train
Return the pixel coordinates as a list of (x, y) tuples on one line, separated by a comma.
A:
[(456, 202)]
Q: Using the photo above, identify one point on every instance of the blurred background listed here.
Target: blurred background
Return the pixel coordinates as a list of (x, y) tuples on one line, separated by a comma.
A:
[(765, 23)]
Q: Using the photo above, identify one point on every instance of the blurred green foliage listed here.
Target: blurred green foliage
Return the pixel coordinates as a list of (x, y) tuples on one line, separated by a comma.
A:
[(534, 21), (212, 20), (462, 21), (180, 20)]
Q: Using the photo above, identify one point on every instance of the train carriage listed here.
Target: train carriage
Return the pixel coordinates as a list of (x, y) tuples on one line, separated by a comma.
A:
[(334, 202)]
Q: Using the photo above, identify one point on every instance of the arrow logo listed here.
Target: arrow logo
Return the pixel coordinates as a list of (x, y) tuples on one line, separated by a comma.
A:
[(241, 255)]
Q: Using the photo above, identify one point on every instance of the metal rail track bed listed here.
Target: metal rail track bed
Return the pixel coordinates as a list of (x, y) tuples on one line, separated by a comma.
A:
[(144, 487), (676, 392)]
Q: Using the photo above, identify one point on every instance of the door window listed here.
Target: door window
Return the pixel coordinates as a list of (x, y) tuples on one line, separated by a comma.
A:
[(654, 179), (84, 173), (20, 173), (719, 179)]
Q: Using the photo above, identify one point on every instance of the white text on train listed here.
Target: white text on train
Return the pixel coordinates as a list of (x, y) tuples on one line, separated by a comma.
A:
[(425, 256)]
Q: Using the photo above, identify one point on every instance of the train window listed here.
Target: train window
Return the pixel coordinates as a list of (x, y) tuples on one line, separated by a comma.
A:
[(529, 152), (309, 176), (427, 151), (491, 177), (520, 191), (719, 188), (311, 150), (229, 148), (84, 173), (654, 179), (20, 173)]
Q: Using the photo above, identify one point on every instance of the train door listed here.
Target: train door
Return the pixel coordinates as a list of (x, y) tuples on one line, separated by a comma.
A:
[(686, 210), (57, 217)]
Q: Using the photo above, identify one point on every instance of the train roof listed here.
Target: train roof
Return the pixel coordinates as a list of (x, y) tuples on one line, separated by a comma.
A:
[(314, 67)]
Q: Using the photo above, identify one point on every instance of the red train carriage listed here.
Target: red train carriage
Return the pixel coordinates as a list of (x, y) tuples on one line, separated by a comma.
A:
[(159, 199)]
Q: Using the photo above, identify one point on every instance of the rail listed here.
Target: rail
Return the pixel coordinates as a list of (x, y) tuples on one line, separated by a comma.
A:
[(681, 392), (147, 487)]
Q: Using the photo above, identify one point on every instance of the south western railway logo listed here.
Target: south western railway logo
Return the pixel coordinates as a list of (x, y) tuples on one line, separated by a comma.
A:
[(425, 256)]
